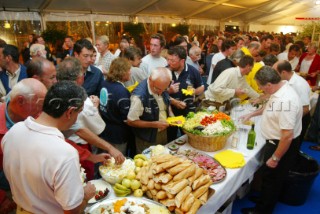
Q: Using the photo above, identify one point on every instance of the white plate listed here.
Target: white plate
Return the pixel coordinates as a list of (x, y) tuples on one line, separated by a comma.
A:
[(151, 204), (100, 185), (147, 151)]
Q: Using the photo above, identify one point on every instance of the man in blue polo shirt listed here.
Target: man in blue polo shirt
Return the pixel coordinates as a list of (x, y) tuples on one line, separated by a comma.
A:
[(93, 77), (184, 76)]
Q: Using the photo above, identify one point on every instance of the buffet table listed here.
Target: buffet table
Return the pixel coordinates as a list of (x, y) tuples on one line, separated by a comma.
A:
[(235, 177)]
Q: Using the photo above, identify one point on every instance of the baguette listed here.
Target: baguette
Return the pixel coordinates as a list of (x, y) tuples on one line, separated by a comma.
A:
[(178, 168), (144, 179), (150, 184), (189, 171), (175, 187), (162, 177), (201, 190), (204, 198), (182, 195), (178, 211), (161, 158), (197, 174), (170, 195), (202, 180), (166, 165), (195, 206), (186, 205), (167, 202)]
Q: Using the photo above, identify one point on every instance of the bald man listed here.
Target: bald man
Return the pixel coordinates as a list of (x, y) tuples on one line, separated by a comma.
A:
[(25, 99), (150, 107), (42, 70)]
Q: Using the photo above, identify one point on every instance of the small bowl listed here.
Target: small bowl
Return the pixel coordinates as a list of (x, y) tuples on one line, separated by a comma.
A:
[(114, 174)]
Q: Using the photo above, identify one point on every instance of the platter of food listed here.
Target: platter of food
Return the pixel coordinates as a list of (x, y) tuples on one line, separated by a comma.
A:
[(211, 166), (102, 190), (131, 205)]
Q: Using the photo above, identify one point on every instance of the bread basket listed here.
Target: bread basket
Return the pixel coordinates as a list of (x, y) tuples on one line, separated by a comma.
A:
[(207, 143)]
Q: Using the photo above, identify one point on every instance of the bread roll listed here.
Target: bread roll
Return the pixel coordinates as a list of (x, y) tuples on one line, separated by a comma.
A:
[(170, 195), (178, 168), (149, 194), (197, 174), (144, 179), (150, 184), (201, 190), (153, 192), (195, 206), (202, 180), (189, 171), (204, 198), (175, 187), (157, 186), (162, 177), (186, 205), (167, 202), (161, 195), (161, 158), (166, 165), (178, 211), (182, 195)]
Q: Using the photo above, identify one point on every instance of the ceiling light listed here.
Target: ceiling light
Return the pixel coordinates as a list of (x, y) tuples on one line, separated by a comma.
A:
[(7, 25), (173, 24), (317, 2)]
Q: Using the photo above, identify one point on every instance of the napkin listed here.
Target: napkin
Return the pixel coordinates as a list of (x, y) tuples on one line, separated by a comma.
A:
[(230, 159), (176, 121)]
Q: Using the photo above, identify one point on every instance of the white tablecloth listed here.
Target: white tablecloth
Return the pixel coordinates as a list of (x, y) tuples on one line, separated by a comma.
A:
[(235, 177)]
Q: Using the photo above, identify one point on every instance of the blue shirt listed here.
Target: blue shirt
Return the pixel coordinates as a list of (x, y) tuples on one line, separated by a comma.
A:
[(115, 112), (93, 81), (189, 76)]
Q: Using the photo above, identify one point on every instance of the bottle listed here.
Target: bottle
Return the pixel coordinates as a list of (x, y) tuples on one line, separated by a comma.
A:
[(235, 140), (251, 138)]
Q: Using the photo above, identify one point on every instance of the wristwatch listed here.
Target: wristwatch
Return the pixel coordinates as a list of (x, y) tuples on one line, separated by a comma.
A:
[(275, 158)]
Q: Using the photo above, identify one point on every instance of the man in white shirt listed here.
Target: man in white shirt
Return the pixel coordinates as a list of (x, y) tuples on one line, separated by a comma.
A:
[(154, 59), (106, 57), (301, 86), (48, 179), (281, 119), (291, 56), (231, 82), (227, 48)]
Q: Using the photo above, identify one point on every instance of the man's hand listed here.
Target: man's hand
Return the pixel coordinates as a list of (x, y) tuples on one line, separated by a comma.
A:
[(162, 125), (99, 157), (95, 100), (89, 191), (239, 91), (179, 104), (117, 155), (271, 163), (245, 117), (174, 87)]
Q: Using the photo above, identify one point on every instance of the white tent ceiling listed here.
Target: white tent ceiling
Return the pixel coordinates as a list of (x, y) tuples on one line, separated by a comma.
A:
[(246, 11)]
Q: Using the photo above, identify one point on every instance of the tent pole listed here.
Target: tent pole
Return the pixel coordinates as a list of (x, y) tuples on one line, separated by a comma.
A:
[(43, 22), (93, 30)]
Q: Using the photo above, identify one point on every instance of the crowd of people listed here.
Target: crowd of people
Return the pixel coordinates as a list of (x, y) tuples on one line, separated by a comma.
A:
[(79, 109)]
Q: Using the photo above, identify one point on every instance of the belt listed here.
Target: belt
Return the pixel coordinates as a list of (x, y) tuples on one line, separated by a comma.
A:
[(273, 141)]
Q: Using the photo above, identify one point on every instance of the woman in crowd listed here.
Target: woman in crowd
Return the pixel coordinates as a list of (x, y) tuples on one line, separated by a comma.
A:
[(114, 111), (309, 64)]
